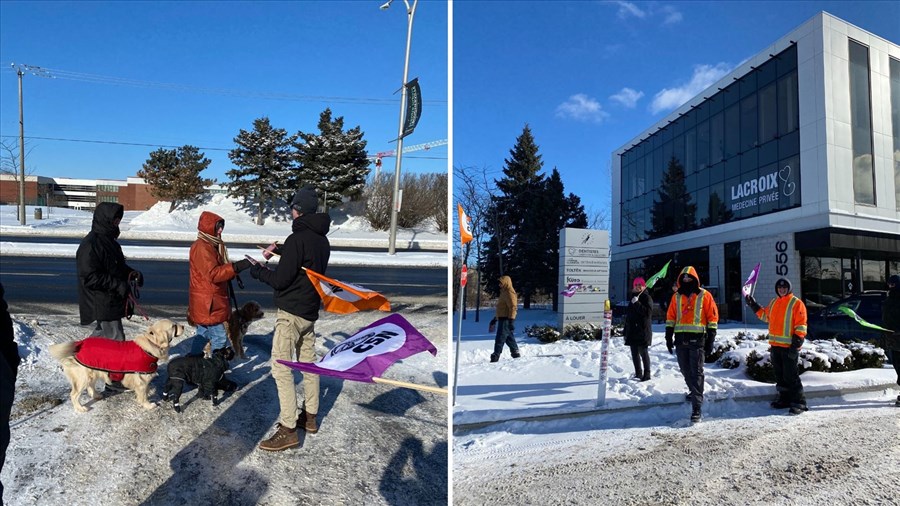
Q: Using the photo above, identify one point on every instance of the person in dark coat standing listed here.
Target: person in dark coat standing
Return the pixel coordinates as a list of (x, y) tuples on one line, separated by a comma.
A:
[(9, 367), (298, 305), (890, 316), (103, 275), (638, 330)]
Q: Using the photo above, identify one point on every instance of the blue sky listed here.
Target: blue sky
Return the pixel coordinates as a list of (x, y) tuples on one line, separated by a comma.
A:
[(590, 76), (223, 64)]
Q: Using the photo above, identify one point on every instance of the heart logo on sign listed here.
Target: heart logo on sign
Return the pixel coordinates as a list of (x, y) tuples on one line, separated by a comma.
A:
[(789, 187)]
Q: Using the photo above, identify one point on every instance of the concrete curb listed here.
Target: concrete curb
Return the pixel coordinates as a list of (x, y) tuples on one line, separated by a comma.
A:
[(463, 428)]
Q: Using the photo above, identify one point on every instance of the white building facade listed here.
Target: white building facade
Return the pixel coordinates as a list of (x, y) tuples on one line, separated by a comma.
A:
[(792, 161)]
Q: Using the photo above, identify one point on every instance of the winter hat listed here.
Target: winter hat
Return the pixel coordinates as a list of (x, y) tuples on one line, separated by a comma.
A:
[(639, 281), (305, 200), (784, 282), (894, 280)]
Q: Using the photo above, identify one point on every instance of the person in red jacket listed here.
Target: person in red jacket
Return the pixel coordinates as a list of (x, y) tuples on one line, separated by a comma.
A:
[(786, 316), (210, 272)]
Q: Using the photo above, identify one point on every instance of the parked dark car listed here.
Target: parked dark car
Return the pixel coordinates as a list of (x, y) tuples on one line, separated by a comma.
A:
[(828, 322)]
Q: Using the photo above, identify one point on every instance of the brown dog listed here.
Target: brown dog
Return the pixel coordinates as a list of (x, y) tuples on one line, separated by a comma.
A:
[(147, 349), (236, 327)]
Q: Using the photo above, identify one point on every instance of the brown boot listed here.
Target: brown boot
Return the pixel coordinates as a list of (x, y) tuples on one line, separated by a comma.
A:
[(283, 439), (307, 422)]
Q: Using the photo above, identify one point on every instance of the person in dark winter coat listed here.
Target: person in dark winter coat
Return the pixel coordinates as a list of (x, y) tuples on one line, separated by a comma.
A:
[(505, 319), (210, 272), (298, 305), (103, 275), (638, 330), (9, 368), (890, 316), (786, 316), (692, 321)]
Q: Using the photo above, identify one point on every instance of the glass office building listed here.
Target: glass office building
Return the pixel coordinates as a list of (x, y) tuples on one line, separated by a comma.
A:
[(791, 161)]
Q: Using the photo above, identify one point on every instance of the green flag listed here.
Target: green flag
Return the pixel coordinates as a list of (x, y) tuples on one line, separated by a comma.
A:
[(659, 275), (849, 312)]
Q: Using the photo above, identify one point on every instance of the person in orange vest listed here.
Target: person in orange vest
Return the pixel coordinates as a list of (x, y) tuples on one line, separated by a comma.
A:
[(691, 323), (786, 316)]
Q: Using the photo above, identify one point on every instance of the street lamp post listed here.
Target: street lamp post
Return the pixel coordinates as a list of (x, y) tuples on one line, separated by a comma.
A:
[(410, 12)]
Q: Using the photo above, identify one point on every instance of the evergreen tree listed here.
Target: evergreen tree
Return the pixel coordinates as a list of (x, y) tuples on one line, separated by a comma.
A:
[(333, 161), (174, 174), (265, 161), (557, 212), (673, 210), (517, 242), (718, 212)]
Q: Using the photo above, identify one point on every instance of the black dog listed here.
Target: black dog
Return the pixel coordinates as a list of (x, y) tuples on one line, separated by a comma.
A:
[(208, 373)]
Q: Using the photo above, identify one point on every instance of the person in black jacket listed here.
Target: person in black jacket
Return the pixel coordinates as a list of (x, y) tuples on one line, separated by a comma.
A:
[(298, 309), (103, 275), (638, 331), (9, 367), (890, 316)]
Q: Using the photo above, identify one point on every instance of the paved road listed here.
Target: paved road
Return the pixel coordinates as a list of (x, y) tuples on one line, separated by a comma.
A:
[(52, 239), (32, 284)]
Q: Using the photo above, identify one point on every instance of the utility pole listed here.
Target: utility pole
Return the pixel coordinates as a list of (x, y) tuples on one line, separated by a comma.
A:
[(21, 149), (20, 71)]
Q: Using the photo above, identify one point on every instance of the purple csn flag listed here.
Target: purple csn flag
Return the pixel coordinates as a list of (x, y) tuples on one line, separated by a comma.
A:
[(370, 351), (570, 290), (748, 285)]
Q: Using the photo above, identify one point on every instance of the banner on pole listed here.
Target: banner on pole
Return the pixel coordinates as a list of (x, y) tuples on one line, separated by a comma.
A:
[(370, 351), (852, 314), (465, 231), (659, 275), (413, 107)]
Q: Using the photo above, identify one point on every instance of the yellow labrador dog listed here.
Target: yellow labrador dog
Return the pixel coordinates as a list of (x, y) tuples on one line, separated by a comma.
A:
[(133, 363)]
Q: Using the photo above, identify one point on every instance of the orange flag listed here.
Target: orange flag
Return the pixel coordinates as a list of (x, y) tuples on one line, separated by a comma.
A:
[(465, 234), (343, 298)]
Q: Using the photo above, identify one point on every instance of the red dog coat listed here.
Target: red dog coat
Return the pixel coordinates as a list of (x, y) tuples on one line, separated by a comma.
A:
[(114, 357)]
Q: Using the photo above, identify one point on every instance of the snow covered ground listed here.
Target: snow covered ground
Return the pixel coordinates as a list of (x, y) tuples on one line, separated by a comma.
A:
[(550, 443), (181, 224)]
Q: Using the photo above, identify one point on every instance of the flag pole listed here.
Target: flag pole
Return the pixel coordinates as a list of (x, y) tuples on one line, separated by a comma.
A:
[(414, 386), (459, 329)]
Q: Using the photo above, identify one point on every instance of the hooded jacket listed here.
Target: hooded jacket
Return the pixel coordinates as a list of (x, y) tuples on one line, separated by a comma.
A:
[(692, 313), (508, 301), (786, 317), (307, 247), (890, 312), (102, 271), (209, 275)]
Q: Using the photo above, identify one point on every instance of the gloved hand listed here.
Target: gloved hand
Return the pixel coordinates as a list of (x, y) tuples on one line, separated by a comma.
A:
[(634, 299), (670, 341), (796, 342), (254, 270), (241, 265), (710, 341), (122, 289), (272, 250), (751, 303), (137, 276)]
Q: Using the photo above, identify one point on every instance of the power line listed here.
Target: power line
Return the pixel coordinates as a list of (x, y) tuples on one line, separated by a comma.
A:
[(119, 81), (164, 145)]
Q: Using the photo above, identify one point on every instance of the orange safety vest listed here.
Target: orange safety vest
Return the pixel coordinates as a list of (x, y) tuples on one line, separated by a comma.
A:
[(693, 314), (786, 317)]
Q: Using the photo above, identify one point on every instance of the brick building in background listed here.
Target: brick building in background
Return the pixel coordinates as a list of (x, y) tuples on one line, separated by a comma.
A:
[(133, 193)]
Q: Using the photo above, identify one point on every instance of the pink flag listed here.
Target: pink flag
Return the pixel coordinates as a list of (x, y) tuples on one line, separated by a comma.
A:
[(369, 352), (747, 289), (570, 290)]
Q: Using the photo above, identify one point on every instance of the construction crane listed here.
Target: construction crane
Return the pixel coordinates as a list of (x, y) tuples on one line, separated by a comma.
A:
[(408, 149)]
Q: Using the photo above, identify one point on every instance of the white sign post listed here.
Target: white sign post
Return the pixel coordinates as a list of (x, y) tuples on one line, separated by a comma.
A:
[(604, 354)]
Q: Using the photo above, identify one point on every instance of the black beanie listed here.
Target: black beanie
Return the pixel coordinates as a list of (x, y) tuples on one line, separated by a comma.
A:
[(305, 200)]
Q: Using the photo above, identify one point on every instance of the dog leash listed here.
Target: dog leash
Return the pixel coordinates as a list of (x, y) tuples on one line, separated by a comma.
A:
[(131, 301)]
